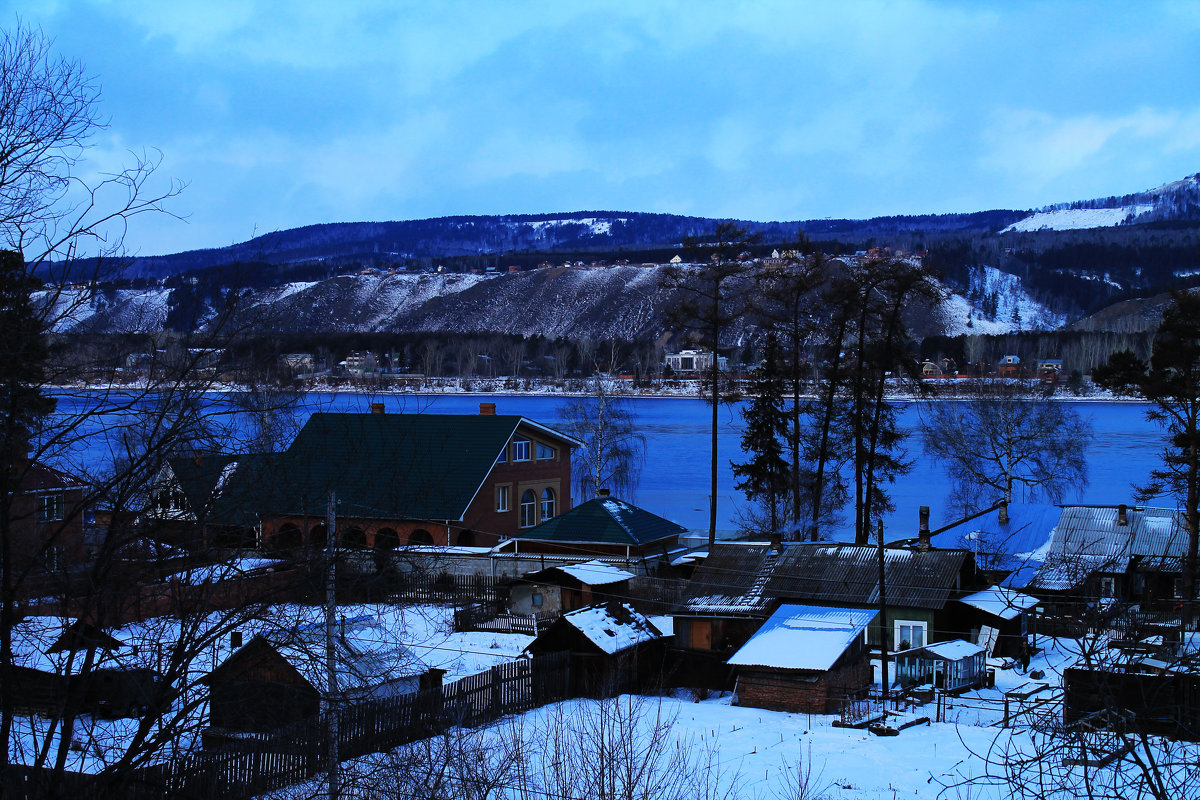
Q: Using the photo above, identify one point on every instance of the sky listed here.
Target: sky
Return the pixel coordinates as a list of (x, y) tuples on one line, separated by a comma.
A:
[(282, 114)]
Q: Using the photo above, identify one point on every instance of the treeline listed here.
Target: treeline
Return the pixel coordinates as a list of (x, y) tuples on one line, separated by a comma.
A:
[(1080, 351)]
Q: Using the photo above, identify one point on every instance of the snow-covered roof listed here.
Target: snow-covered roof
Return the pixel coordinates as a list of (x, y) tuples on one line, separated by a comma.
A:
[(595, 573), (366, 653), (612, 627), (803, 637), (1001, 602), (225, 571), (953, 650)]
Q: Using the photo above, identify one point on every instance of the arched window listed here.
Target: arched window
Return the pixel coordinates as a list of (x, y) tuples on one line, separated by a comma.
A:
[(355, 537), (420, 536), (547, 504), (318, 536), (289, 537), (386, 539), (528, 509)]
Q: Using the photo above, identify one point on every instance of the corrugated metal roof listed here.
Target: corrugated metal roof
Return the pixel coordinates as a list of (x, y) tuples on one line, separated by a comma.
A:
[(746, 579), (724, 582), (848, 573), (1008, 545), (1088, 539)]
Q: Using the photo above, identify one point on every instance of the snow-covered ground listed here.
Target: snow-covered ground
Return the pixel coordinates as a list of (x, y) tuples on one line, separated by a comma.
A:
[(97, 742), (1015, 309), (1069, 219), (755, 753)]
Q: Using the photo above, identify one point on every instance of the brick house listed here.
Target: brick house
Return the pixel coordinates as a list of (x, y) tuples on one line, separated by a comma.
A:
[(805, 659), (47, 521), (415, 479)]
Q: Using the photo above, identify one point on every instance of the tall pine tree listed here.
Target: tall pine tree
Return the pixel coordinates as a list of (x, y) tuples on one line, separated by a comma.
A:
[(765, 477)]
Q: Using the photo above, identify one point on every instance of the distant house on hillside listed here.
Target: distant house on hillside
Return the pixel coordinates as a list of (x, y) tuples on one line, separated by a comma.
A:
[(691, 362)]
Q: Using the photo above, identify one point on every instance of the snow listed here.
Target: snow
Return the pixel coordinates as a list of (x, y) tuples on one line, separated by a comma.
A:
[(953, 650), (224, 571), (1069, 219), (596, 573), (610, 634), (803, 637), (599, 227), (1015, 308), (1000, 602)]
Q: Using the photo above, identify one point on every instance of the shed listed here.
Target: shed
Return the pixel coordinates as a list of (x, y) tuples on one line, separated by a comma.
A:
[(279, 677), (1000, 618), (956, 665), (613, 648), (568, 587), (810, 659)]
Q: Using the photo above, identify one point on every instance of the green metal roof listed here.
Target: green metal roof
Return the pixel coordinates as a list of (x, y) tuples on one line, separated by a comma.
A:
[(392, 466), (604, 520)]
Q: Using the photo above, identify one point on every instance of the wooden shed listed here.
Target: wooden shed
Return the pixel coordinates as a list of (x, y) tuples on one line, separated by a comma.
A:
[(956, 665), (567, 587), (613, 649), (279, 678), (999, 618), (805, 659)]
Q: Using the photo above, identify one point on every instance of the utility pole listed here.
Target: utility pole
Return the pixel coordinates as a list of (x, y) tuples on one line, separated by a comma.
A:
[(331, 695), (883, 628)]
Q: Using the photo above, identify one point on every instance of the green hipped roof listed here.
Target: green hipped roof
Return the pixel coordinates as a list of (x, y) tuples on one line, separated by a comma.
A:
[(604, 520), (198, 476), (392, 466)]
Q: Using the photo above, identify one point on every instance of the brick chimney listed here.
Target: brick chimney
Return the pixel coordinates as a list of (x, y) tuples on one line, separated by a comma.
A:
[(777, 542), (377, 408), (487, 409), (923, 543), (1122, 514), (1004, 512), (603, 493)]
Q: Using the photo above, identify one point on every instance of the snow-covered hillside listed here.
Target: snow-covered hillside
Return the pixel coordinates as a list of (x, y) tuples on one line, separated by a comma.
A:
[(1069, 219), (82, 310), (996, 302)]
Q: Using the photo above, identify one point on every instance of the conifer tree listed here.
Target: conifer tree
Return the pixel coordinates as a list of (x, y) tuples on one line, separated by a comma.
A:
[(765, 476)]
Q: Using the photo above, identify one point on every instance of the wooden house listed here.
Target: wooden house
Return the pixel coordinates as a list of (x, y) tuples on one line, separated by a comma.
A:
[(738, 586), (606, 528), (560, 589), (280, 677), (613, 649), (805, 659), (1000, 619)]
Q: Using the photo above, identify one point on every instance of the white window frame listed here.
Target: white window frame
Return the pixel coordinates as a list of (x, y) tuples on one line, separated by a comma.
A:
[(503, 497), (51, 507), (529, 508), (913, 626), (545, 452), (1108, 586), (549, 503), (522, 449)]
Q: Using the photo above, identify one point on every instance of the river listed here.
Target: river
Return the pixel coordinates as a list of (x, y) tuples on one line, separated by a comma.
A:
[(1123, 450)]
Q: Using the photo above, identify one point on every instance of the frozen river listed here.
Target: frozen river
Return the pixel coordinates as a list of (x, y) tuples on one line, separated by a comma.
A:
[(675, 479)]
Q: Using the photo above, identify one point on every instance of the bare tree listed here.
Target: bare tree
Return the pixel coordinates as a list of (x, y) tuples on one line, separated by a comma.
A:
[(613, 450), (1004, 433), (708, 307)]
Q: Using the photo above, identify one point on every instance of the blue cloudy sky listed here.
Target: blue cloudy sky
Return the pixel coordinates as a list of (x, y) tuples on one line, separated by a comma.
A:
[(279, 114)]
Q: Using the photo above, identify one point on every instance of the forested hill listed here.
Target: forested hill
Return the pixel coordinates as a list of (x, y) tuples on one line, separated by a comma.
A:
[(599, 232)]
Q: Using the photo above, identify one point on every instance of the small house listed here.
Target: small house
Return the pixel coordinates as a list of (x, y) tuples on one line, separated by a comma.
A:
[(280, 677), (999, 619), (560, 589), (613, 649), (805, 659), (955, 666), (606, 528)]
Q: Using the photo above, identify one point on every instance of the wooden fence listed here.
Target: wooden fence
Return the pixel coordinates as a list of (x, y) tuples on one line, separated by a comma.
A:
[(488, 617), (443, 588), (251, 766)]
